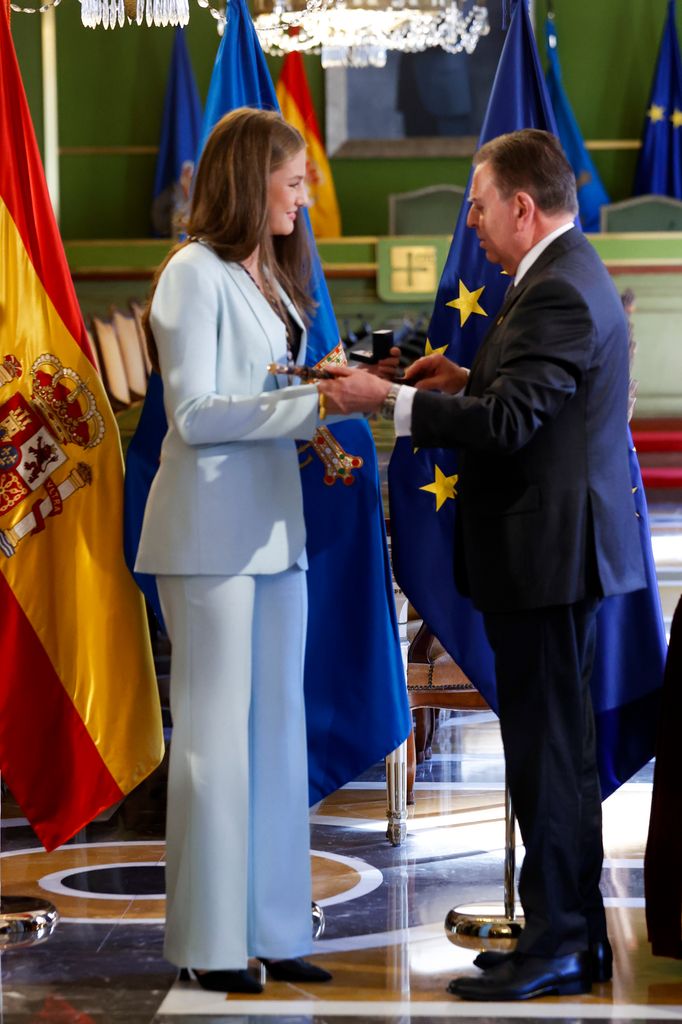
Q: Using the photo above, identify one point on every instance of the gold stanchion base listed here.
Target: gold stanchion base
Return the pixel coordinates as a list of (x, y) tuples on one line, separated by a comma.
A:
[(25, 920), (483, 926)]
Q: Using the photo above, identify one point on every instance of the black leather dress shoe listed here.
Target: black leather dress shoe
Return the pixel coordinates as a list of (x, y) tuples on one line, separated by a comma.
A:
[(528, 977), (222, 981), (295, 970), (601, 960)]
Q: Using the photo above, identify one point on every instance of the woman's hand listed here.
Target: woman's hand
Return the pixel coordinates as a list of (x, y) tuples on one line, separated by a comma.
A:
[(436, 373), (350, 391)]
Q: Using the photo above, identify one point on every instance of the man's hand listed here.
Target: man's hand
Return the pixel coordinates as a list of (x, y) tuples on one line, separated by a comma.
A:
[(436, 373), (353, 390), (387, 367)]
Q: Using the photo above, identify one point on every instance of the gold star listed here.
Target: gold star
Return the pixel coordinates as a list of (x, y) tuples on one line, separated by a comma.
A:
[(430, 351), (656, 113), (467, 303), (443, 487), (676, 118)]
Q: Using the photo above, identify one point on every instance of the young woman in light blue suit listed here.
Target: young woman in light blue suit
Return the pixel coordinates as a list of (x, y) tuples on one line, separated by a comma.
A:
[(224, 534)]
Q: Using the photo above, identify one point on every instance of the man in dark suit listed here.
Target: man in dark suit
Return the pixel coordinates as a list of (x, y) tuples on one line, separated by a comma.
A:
[(547, 527)]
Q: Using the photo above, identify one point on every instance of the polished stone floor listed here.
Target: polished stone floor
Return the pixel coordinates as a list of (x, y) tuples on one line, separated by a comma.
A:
[(384, 939)]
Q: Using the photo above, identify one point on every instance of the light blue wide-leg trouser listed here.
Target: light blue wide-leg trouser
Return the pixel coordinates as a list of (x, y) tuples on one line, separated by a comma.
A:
[(237, 835)]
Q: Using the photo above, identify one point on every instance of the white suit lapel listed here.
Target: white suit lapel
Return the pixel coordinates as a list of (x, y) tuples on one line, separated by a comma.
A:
[(268, 320)]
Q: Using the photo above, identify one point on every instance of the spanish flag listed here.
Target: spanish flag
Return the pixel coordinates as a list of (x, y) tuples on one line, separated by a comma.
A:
[(293, 96), (80, 721)]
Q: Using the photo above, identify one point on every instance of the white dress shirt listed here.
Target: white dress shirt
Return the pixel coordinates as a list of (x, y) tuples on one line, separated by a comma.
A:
[(529, 259), (402, 418)]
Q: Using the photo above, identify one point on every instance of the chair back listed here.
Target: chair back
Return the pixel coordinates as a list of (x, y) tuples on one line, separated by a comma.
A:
[(111, 361), (425, 211)]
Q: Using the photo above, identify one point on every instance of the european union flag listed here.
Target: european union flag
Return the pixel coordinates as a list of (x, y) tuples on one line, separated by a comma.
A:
[(179, 143), (356, 700), (591, 193), (423, 484), (659, 168)]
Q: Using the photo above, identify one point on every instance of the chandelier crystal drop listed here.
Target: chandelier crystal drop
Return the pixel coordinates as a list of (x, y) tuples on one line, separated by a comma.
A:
[(358, 33), (110, 13)]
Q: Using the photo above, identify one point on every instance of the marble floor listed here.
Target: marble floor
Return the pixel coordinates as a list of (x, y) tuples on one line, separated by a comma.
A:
[(384, 907)]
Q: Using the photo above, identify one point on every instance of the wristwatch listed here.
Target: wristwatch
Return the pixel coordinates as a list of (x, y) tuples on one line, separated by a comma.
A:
[(387, 407)]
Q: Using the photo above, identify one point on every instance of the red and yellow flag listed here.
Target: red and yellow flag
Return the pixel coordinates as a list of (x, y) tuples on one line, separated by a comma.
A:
[(80, 722), (293, 96)]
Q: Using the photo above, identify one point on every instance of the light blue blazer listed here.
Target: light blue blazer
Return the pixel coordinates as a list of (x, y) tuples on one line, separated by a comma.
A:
[(227, 497)]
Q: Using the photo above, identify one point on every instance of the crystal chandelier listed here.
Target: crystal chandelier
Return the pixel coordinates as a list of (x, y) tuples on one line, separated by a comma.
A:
[(358, 33), (110, 13)]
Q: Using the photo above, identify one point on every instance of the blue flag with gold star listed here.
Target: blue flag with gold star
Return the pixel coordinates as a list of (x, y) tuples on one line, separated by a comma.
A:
[(659, 168), (423, 483), (355, 694), (591, 193)]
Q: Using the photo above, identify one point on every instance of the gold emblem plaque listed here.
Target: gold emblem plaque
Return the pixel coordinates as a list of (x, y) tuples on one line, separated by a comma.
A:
[(414, 269)]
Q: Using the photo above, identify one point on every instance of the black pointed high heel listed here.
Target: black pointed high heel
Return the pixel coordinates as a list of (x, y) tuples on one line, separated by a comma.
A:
[(295, 969), (222, 981)]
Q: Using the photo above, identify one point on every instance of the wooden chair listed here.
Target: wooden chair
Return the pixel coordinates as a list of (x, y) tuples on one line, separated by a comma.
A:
[(642, 213), (111, 361), (137, 309), (93, 349), (425, 211), (131, 353), (435, 681)]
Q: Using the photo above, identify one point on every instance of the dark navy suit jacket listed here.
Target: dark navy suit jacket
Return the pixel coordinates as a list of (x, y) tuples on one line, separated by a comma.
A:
[(545, 513)]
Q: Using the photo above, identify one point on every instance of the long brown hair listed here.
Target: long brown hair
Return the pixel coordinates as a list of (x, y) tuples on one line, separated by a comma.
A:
[(229, 208)]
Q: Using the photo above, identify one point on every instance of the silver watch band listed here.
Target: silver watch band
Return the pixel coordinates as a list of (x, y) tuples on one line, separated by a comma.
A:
[(387, 408)]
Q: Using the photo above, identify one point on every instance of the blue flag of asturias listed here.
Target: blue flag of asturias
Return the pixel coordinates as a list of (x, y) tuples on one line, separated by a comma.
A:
[(591, 193), (423, 483), (178, 147), (659, 168), (356, 699)]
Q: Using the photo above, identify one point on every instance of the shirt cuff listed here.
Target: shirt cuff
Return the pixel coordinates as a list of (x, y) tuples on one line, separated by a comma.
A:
[(402, 414)]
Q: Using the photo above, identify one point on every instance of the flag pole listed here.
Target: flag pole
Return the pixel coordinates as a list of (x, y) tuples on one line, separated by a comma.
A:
[(48, 39), (491, 925), (24, 920)]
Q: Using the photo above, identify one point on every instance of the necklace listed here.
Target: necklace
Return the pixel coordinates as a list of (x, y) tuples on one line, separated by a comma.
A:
[(248, 272), (284, 317)]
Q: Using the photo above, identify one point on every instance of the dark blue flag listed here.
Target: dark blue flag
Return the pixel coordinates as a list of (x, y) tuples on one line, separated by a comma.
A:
[(659, 168), (629, 662), (179, 143), (423, 483), (591, 193), (356, 699), (142, 462)]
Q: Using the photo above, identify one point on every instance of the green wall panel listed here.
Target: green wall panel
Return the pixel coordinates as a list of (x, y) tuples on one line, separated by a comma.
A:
[(363, 187), (607, 50), (617, 171), (106, 196), (26, 35), (112, 83)]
